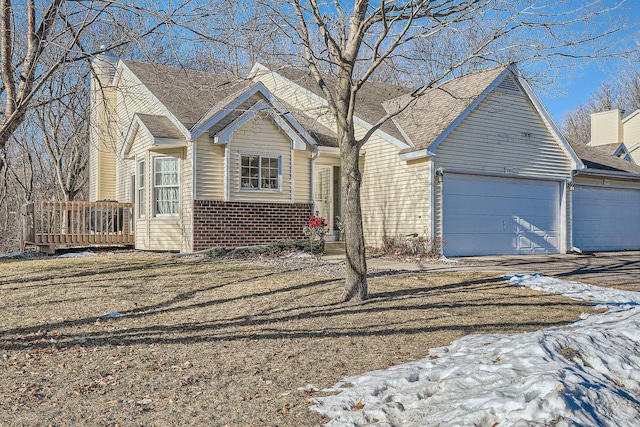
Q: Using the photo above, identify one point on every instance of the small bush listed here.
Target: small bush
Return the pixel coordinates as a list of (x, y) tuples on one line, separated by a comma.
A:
[(273, 249), (419, 247)]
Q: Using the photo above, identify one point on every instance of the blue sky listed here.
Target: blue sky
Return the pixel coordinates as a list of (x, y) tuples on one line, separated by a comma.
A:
[(577, 83), (577, 86)]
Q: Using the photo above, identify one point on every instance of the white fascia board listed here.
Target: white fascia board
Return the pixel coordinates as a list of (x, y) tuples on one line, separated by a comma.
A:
[(163, 108), (130, 136), (167, 143), (622, 149), (576, 163), (258, 87), (224, 136), (634, 147), (364, 124), (630, 116), (414, 155), (404, 134), (201, 127)]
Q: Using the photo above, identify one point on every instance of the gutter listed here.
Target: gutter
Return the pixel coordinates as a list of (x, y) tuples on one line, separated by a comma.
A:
[(610, 174)]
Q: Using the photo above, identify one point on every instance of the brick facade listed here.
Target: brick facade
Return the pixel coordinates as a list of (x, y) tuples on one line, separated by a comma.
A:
[(219, 223)]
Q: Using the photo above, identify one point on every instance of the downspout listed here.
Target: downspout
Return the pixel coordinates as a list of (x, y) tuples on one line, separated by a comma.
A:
[(227, 178), (569, 188), (292, 174), (194, 163), (439, 232), (315, 153)]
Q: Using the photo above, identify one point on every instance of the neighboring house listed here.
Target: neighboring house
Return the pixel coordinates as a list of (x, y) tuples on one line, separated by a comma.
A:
[(606, 196), (211, 161), (617, 135)]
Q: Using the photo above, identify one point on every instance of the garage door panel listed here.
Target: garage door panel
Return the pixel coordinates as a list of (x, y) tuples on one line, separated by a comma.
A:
[(606, 219), (487, 215)]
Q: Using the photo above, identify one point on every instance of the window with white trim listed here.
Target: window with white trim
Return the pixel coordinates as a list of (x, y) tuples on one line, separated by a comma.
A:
[(141, 197), (166, 186), (259, 172)]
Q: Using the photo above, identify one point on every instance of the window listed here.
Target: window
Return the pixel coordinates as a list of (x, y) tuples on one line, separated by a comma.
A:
[(141, 198), (166, 185), (259, 173)]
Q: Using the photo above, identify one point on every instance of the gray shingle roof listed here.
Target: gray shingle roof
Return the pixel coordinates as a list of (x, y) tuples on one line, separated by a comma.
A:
[(160, 126), (187, 94), (433, 111), (593, 158), (607, 148), (368, 100)]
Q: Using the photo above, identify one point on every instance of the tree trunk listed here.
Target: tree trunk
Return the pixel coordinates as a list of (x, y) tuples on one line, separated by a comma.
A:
[(356, 263)]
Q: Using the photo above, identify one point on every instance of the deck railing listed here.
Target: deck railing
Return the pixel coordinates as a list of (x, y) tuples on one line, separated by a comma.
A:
[(52, 224)]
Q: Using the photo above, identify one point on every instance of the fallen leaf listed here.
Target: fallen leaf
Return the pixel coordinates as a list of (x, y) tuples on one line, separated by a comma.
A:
[(358, 406)]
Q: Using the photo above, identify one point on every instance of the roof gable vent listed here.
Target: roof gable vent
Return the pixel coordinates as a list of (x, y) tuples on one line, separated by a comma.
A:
[(509, 84)]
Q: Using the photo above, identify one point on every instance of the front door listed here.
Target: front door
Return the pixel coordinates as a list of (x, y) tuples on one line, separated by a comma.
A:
[(326, 194)]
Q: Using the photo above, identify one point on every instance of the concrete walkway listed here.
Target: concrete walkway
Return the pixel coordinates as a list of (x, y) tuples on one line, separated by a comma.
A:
[(620, 269)]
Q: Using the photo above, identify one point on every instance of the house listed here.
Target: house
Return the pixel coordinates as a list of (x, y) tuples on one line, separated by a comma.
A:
[(616, 134), (211, 160), (606, 196), (208, 160)]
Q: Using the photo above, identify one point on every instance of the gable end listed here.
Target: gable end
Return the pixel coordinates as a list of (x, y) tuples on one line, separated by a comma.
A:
[(509, 85)]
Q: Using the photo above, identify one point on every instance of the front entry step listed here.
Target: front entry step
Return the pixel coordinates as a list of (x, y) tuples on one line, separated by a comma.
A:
[(333, 248)]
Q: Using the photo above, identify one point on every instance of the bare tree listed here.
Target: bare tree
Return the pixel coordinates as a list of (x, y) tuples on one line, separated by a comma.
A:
[(38, 37), (64, 129), (621, 93), (344, 44)]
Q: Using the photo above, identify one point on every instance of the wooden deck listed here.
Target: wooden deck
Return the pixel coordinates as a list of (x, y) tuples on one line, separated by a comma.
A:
[(49, 225)]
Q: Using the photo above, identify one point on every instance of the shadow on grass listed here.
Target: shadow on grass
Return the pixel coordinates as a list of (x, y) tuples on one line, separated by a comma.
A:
[(297, 315)]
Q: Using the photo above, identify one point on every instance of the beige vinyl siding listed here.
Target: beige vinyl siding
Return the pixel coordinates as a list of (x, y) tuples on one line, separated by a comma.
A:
[(632, 136), (186, 207), (504, 134), (326, 159), (141, 235), (302, 176), (131, 98), (396, 195), (126, 168), (165, 233), (632, 130), (606, 128), (260, 136), (139, 151), (606, 182), (209, 169), (102, 148)]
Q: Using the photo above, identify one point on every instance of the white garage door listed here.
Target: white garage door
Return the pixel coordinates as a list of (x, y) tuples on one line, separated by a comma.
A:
[(490, 216), (606, 219)]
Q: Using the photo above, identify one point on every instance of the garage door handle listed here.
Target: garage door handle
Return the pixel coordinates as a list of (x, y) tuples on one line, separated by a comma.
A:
[(504, 225)]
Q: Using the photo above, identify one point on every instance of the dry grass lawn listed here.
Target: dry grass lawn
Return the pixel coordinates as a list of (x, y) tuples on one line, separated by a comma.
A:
[(201, 342)]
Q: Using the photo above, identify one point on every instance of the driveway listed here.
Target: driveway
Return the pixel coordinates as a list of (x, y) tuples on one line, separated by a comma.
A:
[(619, 269)]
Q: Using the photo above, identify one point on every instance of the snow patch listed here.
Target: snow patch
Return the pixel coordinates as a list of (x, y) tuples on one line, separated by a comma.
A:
[(585, 373)]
